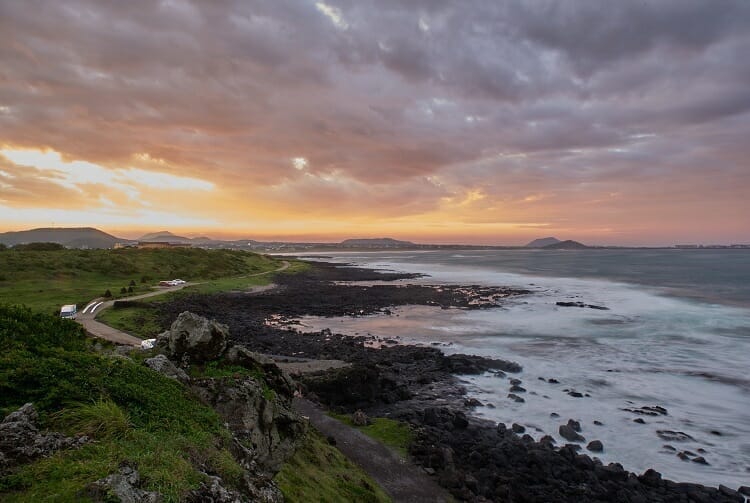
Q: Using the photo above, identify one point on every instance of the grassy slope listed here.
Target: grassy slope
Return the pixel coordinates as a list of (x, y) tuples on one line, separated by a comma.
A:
[(44, 280), (319, 473), (392, 433), (134, 414)]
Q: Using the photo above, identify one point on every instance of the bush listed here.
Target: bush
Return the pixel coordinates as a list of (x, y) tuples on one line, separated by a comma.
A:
[(123, 290), (132, 282), (108, 294), (39, 247), (130, 289)]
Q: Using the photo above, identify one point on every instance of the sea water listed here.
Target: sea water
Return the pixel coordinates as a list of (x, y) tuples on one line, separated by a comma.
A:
[(676, 334)]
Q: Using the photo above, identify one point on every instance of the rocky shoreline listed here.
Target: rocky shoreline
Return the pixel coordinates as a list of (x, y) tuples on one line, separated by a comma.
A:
[(475, 459)]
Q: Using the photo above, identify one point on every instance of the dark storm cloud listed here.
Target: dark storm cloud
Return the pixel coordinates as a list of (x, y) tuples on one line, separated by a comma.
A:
[(531, 97)]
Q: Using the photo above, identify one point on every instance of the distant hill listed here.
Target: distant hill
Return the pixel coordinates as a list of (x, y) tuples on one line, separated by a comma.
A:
[(566, 245), (72, 237), (542, 242), (375, 243), (164, 236)]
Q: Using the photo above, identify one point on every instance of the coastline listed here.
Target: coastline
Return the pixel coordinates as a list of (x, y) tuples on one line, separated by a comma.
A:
[(420, 385)]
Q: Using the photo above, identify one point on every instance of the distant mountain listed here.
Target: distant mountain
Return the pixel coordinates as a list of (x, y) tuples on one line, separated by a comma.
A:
[(375, 243), (566, 245), (164, 236), (72, 237), (542, 242)]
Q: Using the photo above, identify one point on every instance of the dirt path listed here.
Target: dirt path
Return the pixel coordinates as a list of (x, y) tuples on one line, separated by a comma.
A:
[(402, 481), (96, 306)]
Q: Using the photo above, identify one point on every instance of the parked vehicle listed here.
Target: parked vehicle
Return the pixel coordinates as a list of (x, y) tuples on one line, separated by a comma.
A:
[(69, 311)]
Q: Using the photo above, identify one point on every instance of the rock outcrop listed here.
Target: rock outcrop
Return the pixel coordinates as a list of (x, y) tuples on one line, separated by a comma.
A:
[(123, 485), (194, 338), (22, 442), (161, 364), (260, 417), (255, 403)]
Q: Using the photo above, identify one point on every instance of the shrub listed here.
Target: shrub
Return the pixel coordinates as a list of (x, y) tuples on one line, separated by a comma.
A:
[(108, 294), (132, 282), (130, 289), (39, 247), (123, 290)]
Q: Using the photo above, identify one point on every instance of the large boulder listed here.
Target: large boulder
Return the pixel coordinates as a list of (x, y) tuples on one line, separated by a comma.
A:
[(22, 442), (194, 337)]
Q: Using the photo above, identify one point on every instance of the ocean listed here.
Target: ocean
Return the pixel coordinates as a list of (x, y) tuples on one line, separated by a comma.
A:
[(676, 335)]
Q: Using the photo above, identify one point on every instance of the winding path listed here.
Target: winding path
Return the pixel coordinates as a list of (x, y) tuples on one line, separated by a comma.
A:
[(87, 317), (403, 481)]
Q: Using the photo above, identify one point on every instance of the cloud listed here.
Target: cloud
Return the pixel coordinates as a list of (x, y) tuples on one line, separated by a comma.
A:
[(381, 100)]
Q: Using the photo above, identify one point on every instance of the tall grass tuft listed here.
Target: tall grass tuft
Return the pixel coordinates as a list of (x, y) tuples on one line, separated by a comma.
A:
[(101, 419)]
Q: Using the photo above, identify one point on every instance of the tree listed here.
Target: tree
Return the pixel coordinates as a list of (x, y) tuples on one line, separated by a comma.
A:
[(132, 282), (123, 290), (130, 289), (108, 293)]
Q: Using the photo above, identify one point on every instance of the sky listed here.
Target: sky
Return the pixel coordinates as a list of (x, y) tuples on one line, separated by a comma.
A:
[(467, 121)]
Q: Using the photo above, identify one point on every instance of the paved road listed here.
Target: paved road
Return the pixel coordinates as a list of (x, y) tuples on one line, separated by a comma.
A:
[(402, 481), (96, 306)]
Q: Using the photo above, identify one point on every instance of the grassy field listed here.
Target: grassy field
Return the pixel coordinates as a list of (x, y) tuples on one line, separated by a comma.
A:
[(44, 280), (394, 434)]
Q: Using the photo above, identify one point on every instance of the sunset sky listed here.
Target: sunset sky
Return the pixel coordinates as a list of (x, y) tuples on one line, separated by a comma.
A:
[(617, 122)]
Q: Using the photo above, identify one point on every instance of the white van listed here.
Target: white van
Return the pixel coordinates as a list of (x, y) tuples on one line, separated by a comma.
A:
[(68, 311)]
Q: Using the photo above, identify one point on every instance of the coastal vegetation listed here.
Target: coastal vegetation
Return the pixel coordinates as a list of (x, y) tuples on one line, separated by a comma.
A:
[(43, 279), (319, 473), (395, 434), (132, 413)]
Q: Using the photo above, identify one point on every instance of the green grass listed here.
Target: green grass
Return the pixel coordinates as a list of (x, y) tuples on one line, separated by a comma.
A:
[(141, 322), (134, 414), (390, 432), (44, 280), (101, 419), (319, 473)]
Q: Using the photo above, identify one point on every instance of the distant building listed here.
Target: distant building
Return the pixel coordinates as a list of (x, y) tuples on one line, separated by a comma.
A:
[(162, 244), (118, 246), (689, 247)]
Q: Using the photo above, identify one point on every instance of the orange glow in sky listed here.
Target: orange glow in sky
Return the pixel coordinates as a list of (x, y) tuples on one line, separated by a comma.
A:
[(320, 122)]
